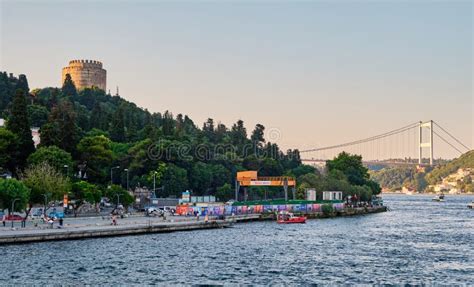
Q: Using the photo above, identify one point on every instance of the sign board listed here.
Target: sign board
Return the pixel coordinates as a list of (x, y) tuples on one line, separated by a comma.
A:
[(260, 182), (185, 196), (65, 200)]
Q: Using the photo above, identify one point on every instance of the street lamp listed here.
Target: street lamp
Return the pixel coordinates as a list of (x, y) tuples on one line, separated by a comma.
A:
[(118, 199), (112, 174), (154, 184), (13, 208), (67, 170), (45, 202), (126, 170)]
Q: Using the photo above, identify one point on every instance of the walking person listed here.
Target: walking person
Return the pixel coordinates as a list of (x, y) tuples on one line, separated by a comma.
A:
[(51, 223)]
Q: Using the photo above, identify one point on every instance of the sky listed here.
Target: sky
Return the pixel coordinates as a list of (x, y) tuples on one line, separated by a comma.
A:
[(314, 73)]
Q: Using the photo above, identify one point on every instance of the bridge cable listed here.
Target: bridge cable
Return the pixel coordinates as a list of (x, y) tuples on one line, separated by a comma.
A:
[(459, 142), (373, 138), (448, 142)]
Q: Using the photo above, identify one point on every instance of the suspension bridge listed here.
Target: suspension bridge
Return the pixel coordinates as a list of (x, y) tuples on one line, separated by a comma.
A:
[(412, 144)]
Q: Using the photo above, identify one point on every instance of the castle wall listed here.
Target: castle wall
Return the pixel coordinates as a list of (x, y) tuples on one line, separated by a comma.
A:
[(85, 74)]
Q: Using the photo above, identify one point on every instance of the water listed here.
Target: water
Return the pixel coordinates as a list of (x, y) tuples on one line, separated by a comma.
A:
[(418, 241)]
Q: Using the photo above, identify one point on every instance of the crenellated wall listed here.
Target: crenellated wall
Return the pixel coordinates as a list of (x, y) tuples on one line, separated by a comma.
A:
[(86, 74)]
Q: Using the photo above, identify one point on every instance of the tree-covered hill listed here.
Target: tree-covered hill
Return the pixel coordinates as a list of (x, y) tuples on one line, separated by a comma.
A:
[(96, 139), (438, 173)]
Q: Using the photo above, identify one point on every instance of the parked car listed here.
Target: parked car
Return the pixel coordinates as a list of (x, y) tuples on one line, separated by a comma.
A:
[(153, 211), (14, 217)]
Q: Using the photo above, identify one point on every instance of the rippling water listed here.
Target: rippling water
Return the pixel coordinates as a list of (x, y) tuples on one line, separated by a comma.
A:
[(418, 241)]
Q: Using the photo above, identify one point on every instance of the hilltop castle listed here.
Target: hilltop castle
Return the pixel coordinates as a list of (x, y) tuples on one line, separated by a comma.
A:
[(86, 74)]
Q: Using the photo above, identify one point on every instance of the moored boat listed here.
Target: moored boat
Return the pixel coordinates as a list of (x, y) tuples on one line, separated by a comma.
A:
[(470, 205), (288, 218)]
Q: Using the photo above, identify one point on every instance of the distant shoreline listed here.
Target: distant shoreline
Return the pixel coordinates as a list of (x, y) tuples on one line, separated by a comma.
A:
[(427, 193)]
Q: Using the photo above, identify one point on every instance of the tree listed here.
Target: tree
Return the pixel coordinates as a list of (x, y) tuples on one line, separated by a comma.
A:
[(38, 115), (225, 192), (8, 144), (97, 154), (46, 184), (69, 89), (351, 166), (117, 129), (118, 195), (239, 135), (174, 180), (19, 124), (10, 190), (61, 129), (53, 155), (257, 136), (83, 191)]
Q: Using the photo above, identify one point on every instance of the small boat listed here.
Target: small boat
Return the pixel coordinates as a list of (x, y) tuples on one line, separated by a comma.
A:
[(287, 218), (471, 205), (439, 198)]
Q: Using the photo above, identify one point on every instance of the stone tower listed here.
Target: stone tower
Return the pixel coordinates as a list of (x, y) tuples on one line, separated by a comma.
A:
[(86, 74)]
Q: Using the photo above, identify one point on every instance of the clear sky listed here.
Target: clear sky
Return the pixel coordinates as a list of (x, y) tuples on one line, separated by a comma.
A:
[(321, 73)]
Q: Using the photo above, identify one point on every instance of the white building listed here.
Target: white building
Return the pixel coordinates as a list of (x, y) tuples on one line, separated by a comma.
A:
[(332, 195)]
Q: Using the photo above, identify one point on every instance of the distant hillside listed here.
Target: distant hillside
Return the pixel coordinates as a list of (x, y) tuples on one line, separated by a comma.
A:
[(464, 161)]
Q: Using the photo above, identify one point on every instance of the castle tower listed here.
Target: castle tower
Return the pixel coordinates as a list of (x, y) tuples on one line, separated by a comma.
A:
[(86, 74)]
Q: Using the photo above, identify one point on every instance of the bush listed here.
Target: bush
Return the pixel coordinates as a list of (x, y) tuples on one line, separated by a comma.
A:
[(327, 209)]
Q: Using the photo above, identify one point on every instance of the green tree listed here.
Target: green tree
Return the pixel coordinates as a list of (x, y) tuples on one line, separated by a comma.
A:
[(8, 144), (38, 115), (97, 154), (46, 184), (61, 129), (19, 124), (117, 129), (174, 180), (83, 191), (117, 194), (225, 192), (351, 166), (69, 89), (54, 156), (257, 136), (10, 190)]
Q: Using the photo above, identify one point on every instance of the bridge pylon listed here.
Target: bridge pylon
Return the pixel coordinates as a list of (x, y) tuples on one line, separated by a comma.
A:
[(427, 144)]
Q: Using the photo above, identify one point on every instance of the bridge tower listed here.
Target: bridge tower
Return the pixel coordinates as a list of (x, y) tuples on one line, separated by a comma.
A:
[(428, 144)]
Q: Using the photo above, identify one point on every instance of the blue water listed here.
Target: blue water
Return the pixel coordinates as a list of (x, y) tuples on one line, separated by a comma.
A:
[(418, 241)]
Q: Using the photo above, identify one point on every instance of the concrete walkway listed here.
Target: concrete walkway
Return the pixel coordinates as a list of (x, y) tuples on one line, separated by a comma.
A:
[(76, 228)]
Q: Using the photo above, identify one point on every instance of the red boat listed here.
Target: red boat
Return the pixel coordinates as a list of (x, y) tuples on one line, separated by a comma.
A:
[(287, 218)]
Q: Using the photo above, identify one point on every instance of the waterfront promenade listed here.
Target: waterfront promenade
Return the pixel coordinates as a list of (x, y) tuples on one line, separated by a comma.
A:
[(90, 227), (80, 228)]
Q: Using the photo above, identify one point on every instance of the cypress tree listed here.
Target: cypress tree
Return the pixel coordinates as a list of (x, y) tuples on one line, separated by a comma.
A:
[(69, 89), (117, 129), (19, 124)]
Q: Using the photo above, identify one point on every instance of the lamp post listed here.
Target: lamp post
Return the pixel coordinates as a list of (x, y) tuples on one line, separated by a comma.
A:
[(126, 170), (118, 199), (45, 202), (112, 174), (67, 170), (154, 184), (13, 208)]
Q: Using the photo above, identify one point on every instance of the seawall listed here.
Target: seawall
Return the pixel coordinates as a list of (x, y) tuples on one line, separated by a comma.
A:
[(26, 236)]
